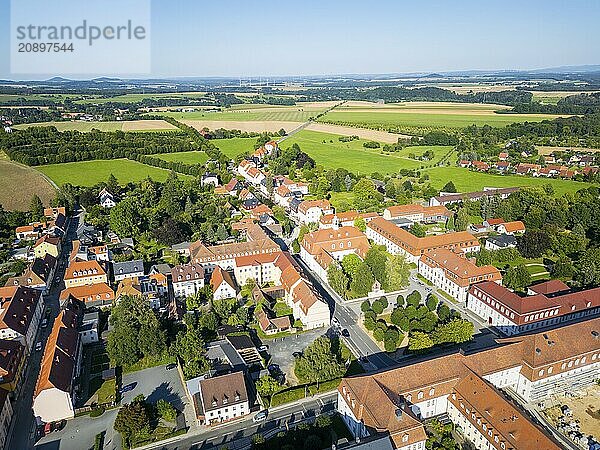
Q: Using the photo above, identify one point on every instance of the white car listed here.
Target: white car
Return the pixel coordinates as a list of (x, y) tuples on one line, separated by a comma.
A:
[(263, 348), (38, 346), (260, 416)]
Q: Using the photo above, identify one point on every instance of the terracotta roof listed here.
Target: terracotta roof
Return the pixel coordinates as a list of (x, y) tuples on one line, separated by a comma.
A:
[(549, 287), (506, 422), (187, 272), (89, 293), (98, 249), (495, 221), (511, 227), (526, 308), (283, 191), (219, 276), (60, 355), (54, 212), (416, 245), (223, 390), (463, 272), (52, 240), (82, 269), (324, 239), (258, 242), (231, 185), (305, 205)]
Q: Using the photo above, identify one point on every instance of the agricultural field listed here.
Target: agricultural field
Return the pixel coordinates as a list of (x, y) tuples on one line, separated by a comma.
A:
[(328, 150), (89, 173), (363, 133), (248, 125), (133, 125), (184, 157), (15, 194), (256, 112), (234, 146), (425, 115), (467, 181), (134, 98), (55, 97)]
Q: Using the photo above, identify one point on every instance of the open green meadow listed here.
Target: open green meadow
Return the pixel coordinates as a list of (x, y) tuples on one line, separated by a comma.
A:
[(468, 181), (234, 146), (89, 173), (328, 150), (184, 157), (85, 127)]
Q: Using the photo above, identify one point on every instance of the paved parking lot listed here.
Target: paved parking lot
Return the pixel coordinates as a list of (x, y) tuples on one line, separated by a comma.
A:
[(282, 349)]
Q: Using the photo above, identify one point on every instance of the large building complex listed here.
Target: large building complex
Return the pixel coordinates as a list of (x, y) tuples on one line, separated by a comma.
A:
[(475, 390)]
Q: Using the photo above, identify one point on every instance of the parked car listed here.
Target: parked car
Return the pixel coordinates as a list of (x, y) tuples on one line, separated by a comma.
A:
[(57, 426), (297, 354), (260, 416), (335, 322), (171, 366), (44, 323), (38, 346), (263, 348), (128, 387), (345, 332)]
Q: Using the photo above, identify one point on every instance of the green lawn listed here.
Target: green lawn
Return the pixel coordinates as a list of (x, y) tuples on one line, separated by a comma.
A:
[(234, 146), (341, 201), (89, 173), (184, 157), (467, 181), (328, 150)]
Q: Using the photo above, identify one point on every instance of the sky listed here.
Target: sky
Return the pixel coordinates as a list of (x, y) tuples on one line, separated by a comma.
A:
[(289, 38)]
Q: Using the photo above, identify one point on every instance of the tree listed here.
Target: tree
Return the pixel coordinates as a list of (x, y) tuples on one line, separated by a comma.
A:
[(360, 223), (431, 302), (337, 280), (533, 244), (281, 132), (320, 361), (563, 267), (376, 260), (362, 283), (390, 189), (126, 217), (414, 298), (384, 301), (166, 410), (133, 419), (456, 331), (36, 208), (365, 194), (350, 264), (112, 185), (189, 348), (266, 386), (588, 268), (517, 277), (400, 300), (418, 230), (449, 187), (365, 306), (419, 341), (462, 219), (443, 312), (377, 307), (397, 316), (170, 232)]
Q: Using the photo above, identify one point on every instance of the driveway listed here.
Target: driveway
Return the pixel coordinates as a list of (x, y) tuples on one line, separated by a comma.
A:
[(282, 349), (156, 383)]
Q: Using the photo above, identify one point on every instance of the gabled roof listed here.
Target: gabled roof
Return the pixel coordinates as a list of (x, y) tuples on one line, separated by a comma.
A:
[(18, 306), (128, 267), (511, 227), (219, 276), (219, 391), (187, 272), (81, 269)]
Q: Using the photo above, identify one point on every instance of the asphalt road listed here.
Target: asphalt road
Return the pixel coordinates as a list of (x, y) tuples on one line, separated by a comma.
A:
[(237, 435), (22, 431)]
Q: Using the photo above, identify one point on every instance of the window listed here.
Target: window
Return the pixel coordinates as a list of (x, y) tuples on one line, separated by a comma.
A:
[(420, 395), (541, 372), (431, 392)]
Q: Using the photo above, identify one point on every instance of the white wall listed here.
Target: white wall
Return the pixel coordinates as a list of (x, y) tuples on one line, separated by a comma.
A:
[(52, 405)]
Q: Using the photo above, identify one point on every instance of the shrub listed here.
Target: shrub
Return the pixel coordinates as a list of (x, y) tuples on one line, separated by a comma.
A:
[(377, 307), (365, 306), (384, 301), (400, 300)]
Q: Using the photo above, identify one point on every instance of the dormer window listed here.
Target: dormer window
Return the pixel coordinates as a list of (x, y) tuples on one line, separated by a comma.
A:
[(237, 396), (214, 401), (225, 399)]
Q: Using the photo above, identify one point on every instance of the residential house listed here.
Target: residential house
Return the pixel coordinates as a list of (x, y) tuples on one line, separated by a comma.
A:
[(128, 269), (88, 234), (269, 323), (502, 166), (453, 273), (12, 362), (320, 248), (80, 273), (30, 232), (233, 187), (47, 245), (513, 314), (399, 241), (38, 275), (54, 213), (312, 210), (221, 398), (88, 331), (20, 313), (492, 223), (515, 227), (97, 295), (480, 166), (187, 280), (107, 200), (503, 156), (500, 242), (209, 179), (222, 284), (144, 287), (54, 396)]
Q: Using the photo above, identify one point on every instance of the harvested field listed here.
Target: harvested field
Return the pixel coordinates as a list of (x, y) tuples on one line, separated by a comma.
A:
[(15, 193), (133, 125), (543, 150), (252, 125), (363, 133), (147, 125)]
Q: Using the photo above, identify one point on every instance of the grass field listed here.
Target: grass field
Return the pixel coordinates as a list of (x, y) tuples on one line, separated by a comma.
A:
[(184, 157), (234, 146), (19, 183), (88, 173), (326, 149), (262, 113), (132, 125), (467, 181), (426, 115)]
